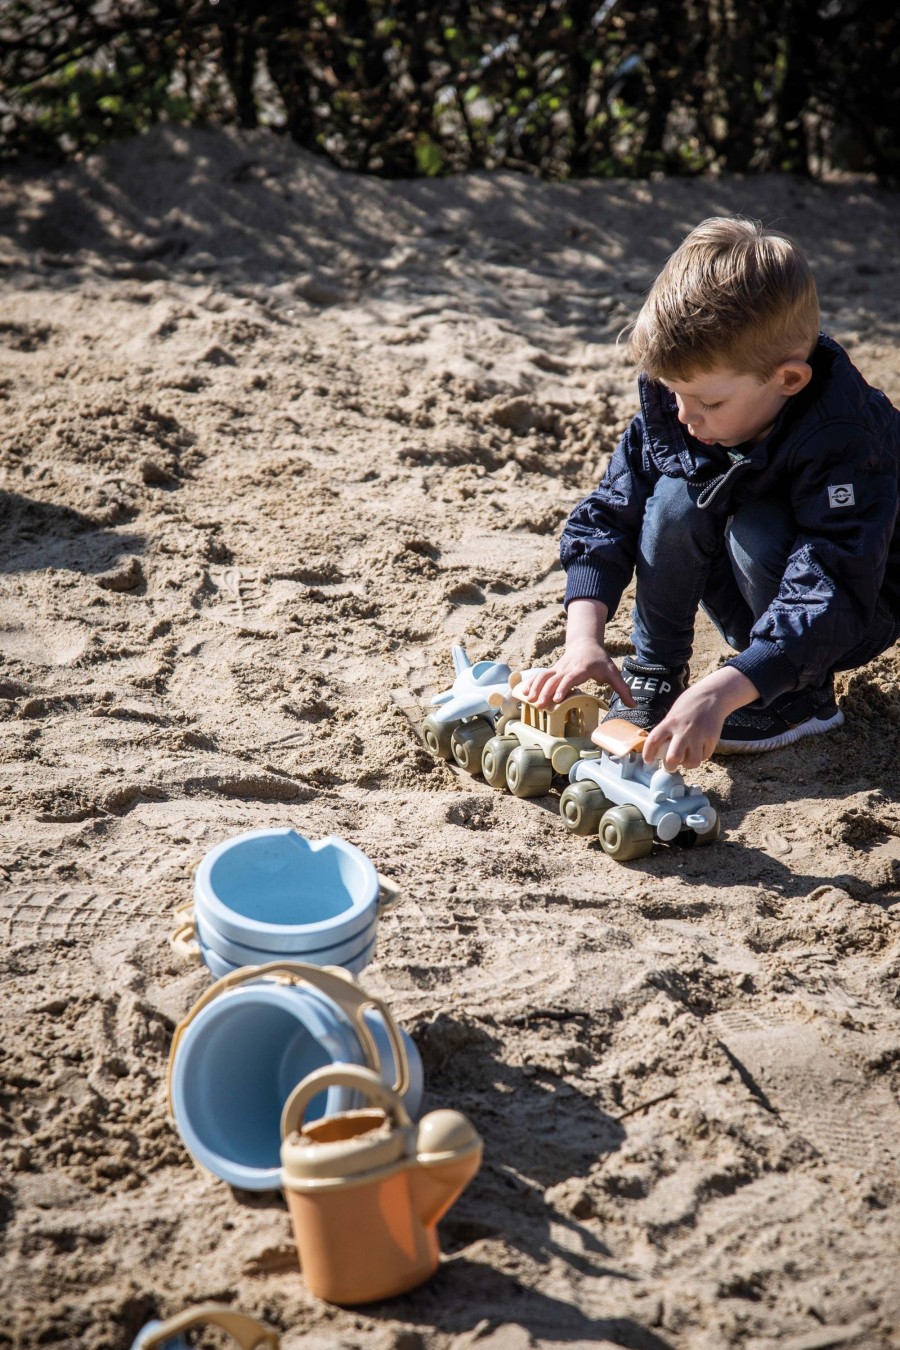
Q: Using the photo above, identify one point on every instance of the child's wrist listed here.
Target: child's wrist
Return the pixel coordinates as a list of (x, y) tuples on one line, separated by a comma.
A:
[(731, 687)]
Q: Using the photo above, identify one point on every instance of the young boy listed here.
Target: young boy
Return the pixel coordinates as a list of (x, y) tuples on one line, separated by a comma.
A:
[(759, 481)]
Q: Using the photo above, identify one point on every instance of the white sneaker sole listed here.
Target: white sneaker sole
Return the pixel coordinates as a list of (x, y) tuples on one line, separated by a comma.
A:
[(814, 726)]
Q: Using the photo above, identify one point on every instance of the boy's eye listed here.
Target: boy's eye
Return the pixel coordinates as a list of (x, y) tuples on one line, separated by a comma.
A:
[(710, 407)]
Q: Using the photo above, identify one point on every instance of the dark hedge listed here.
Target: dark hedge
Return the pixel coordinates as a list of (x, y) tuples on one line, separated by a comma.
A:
[(561, 89)]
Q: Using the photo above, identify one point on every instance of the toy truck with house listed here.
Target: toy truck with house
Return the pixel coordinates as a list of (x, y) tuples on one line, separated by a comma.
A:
[(531, 744), (630, 804)]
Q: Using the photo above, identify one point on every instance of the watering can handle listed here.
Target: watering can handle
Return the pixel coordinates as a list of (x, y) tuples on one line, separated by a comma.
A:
[(333, 981), (183, 937), (249, 1334), (344, 1075)]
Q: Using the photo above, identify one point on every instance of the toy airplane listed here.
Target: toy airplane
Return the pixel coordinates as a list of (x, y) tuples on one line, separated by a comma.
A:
[(470, 692)]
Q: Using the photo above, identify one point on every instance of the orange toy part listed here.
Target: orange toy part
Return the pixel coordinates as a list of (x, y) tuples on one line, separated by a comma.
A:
[(358, 1248), (619, 737), (366, 1188)]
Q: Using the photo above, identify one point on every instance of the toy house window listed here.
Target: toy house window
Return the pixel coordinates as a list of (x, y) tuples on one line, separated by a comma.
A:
[(575, 722)]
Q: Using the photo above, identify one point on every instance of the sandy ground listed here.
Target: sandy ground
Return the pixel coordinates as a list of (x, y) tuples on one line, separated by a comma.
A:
[(272, 439)]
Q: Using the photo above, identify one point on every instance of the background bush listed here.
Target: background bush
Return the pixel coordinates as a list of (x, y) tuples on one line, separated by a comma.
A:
[(564, 88)]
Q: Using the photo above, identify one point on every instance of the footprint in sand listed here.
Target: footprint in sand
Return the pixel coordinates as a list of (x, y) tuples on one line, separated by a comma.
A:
[(239, 594), (848, 1120), (48, 913)]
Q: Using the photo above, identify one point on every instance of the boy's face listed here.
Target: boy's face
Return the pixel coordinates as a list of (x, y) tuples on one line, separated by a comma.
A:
[(725, 408)]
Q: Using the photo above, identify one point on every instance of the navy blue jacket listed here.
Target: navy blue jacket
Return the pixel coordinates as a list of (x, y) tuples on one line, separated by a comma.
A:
[(833, 454)]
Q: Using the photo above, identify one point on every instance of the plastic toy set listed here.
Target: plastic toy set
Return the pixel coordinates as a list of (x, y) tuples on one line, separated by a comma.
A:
[(485, 726), (287, 1074)]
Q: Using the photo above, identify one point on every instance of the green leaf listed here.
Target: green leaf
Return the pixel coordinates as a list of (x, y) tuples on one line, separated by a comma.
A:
[(429, 156)]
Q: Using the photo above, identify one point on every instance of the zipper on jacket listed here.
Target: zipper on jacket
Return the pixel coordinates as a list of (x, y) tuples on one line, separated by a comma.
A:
[(713, 488)]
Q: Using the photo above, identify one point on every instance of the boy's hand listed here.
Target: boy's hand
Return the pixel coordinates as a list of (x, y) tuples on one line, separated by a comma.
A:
[(582, 660), (690, 732)]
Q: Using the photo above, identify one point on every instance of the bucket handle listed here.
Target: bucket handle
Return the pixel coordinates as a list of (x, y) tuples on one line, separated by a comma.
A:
[(332, 981), (345, 1075), (183, 937), (249, 1334), (388, 893)]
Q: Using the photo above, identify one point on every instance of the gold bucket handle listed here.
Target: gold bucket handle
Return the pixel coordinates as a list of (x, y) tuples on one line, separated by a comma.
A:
[(388, 893), (183, 938), (249, 1334)]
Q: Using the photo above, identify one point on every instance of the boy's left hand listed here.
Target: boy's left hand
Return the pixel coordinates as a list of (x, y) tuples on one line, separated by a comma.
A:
[(690, 732)]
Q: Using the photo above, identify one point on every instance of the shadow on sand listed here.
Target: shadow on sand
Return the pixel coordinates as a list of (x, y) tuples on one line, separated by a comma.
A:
[(35, 535)]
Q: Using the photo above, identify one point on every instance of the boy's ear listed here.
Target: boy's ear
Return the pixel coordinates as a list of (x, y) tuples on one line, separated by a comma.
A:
[(794, 376)]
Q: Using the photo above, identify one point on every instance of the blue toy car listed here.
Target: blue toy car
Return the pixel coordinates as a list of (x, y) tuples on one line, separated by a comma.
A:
[(630, 804)]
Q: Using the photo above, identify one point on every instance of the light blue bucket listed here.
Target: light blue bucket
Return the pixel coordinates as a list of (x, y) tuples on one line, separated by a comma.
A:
[(335, 954), (218, 966), (277, 891), (248, 1042)]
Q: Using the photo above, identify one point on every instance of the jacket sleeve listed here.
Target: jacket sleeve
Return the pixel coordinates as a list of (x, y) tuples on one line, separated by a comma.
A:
[(599, 542), (844, 498)]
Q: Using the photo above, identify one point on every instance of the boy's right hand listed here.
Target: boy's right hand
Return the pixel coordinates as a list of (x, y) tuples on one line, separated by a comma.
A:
[(584, 660)]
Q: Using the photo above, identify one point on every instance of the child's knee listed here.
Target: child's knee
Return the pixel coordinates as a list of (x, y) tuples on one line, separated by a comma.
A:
[(759, 538)]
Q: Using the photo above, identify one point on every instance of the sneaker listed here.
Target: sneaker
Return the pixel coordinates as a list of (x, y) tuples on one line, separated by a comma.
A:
[(654, 689), (809, 712)]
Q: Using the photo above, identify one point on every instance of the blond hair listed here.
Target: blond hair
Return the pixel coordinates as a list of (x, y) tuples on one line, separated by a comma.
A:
[(732, 296)]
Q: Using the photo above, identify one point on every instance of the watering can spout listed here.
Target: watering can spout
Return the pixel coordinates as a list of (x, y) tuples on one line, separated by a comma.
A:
[(448, 1151)]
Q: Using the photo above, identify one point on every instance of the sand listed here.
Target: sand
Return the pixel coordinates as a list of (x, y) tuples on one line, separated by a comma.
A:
[(273, 438)]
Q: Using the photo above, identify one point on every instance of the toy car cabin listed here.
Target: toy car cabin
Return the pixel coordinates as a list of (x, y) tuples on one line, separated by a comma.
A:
[(531, 744), (630, 804)]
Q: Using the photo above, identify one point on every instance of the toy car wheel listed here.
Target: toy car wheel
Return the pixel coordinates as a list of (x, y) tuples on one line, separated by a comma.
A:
[(494, 758), (711, 836), (437, 735), (467, 743), (691, 839), (625, 834), (580, 807), (528, 773)]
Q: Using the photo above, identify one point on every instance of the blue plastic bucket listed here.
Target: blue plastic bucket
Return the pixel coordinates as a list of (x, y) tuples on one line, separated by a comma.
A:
[(219, 966), (331, 954), (277, 891), (248, 1042)]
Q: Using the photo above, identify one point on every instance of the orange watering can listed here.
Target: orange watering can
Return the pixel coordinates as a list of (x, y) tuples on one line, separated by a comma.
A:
[(366, 1188)]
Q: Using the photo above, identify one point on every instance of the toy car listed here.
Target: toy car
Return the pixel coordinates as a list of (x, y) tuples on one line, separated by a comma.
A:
[(630, 804), (531, 744), (464, 709)]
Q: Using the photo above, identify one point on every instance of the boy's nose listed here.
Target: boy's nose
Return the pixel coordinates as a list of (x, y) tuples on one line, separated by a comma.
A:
[(683, 415)]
